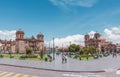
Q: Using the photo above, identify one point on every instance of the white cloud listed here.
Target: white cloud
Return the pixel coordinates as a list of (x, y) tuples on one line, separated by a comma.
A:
[(76, 39), (91, 33), (113, 34), (7, 35), (110, 34), (73, 39), (72, 3)]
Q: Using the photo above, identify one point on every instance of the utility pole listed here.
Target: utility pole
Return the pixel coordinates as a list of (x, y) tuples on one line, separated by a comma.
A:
[(53, 49), (49, 48), (10, 49)]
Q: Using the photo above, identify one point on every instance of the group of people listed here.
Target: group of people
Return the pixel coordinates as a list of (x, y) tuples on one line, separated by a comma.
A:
[(64, 59)]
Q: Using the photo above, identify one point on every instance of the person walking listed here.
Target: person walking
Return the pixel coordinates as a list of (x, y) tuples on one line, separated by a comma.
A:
[(62, 59), (65, 59)]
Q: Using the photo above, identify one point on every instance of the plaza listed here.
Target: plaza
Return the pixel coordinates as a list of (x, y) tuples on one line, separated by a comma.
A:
[(81, 62), (59, 38), (98, 58), (102, 67)]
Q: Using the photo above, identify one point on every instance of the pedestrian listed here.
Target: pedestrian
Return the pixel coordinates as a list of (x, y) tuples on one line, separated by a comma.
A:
[(62, 59), (65, 59)]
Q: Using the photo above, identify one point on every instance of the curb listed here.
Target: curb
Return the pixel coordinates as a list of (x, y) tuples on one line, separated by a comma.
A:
[(53, 69)]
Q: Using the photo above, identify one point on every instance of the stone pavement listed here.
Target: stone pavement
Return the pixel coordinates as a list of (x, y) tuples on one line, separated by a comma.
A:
[(102, 64)]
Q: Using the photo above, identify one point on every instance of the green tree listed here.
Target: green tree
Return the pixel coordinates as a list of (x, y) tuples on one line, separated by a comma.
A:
[(41, 54), (81, 52), (85, 50), (92, 50), (28, 51), (74, 48)]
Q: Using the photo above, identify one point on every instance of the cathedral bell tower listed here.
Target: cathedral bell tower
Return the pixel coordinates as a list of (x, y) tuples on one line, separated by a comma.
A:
[(96, 35), (40, 38), (86, 38), (19, 35), (20, 43)]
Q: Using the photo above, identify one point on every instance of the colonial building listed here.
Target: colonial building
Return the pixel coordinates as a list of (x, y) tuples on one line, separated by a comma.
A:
[(99, 42), (6, 46), (118, 48), (20, 44)]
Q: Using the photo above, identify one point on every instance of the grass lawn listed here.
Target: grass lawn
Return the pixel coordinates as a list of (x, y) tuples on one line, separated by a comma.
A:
[(83, 58), (17, 56)]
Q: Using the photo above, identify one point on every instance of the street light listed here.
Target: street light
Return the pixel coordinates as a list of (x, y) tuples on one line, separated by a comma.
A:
[(62, 50), (62, 53), (10, 49), (53, 50), (49, 49)]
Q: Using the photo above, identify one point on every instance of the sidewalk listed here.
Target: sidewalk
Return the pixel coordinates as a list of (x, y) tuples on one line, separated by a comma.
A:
[(72, 65)]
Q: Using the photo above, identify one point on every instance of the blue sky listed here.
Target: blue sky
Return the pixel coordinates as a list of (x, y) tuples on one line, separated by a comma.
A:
[(59, 18)]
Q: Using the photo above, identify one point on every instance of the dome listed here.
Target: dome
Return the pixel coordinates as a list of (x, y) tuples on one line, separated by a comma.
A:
[(19, 32), (40, 34), (32, 37), (97, 34)]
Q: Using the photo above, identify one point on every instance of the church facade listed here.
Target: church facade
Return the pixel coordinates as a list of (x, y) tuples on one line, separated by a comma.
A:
[(99, 42), (20, 44)]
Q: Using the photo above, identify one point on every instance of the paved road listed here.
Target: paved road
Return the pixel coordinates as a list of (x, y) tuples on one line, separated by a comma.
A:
[(10, 71)]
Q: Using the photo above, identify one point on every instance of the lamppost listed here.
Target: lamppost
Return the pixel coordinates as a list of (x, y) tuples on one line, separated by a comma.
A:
[(10, 49), (5, 47), (53, 50), (62, 53), (68, 48), (49, 49), (62, 50)]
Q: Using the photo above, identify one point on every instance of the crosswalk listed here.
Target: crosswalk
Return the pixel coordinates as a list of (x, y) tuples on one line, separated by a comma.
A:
[(12, 74)]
